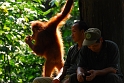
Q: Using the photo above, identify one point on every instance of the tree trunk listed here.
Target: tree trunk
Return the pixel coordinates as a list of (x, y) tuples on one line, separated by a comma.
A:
[(108, 16)]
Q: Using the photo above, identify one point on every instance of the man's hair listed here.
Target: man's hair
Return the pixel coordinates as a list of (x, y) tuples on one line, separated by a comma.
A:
[(81, 25)]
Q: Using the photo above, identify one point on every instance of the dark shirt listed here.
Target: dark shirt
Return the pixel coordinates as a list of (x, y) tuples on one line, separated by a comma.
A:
[(72, 59), (107, 57)]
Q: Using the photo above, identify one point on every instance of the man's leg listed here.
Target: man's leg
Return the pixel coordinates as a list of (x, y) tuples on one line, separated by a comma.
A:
[(110, 78), (113, 78), (66, 79), (43, 80), (73, 78)]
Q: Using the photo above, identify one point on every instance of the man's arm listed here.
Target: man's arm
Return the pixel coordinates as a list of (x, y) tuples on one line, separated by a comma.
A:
[(105, 71), (94, 73), (80, 74)]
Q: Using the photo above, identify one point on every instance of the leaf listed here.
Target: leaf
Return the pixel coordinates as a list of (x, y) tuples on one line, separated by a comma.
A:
[(7, 28), (38, 1), (47, 12), (1, 32), (57, 2)]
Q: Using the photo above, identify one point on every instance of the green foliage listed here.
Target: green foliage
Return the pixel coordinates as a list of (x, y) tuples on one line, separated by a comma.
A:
[(18, 64)]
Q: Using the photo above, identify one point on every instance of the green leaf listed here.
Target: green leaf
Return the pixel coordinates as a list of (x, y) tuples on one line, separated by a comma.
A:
[(1, 32), (7, 28), (47, 12)]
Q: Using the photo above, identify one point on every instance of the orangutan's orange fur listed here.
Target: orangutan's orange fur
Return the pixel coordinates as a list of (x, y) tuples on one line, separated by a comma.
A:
[(48, 40)]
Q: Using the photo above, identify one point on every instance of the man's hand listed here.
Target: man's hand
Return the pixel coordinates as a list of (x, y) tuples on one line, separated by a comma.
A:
[(92, 75), (80, 74), (80, 77)]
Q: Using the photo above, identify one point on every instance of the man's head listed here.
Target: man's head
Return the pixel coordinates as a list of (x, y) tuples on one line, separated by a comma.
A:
[(81, 25), (93, 39), (78, 30)]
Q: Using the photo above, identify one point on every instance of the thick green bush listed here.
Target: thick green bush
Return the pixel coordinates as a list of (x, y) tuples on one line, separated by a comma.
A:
[(18, 64)]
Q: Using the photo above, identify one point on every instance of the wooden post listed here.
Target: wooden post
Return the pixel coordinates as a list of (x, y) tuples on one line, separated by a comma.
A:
[(108, 16)]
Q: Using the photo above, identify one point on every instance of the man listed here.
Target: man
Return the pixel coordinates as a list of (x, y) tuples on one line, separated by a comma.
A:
[(99, 60), (71, 61)]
